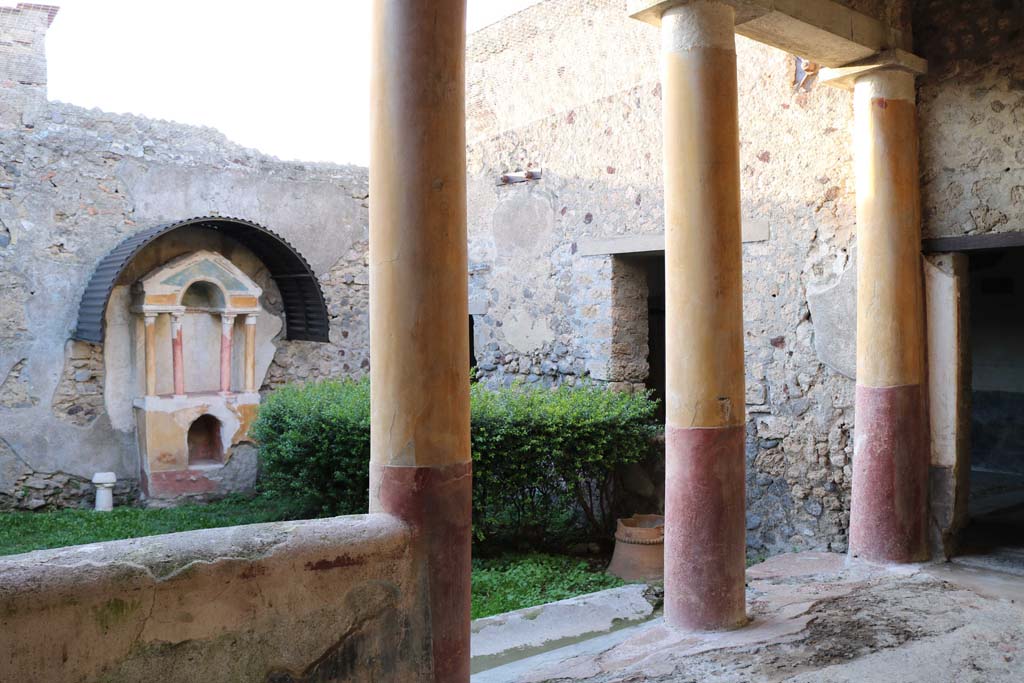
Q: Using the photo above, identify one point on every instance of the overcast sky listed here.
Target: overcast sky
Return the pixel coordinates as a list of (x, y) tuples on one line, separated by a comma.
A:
[(289, 78)]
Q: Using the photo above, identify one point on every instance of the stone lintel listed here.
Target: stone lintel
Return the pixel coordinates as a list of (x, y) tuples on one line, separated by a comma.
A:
[(654, 243), (822, 31), (845, 76)]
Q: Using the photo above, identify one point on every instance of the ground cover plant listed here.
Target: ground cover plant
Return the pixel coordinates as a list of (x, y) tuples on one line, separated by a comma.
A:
[(545, 461), (513, 582)]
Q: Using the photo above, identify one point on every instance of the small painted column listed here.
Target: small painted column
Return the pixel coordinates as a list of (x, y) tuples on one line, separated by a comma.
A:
[(149, 324), (250, 353), (177, 354), (888, 515), (420, 466), (227, 328), (705, 543)]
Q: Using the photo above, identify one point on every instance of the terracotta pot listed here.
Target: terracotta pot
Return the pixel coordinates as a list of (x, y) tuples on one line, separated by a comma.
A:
[(639, 548)]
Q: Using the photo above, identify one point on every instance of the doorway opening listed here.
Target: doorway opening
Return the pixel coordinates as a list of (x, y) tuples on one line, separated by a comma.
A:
[(472, 350), (996, 489), (204, 442), (655, 266)]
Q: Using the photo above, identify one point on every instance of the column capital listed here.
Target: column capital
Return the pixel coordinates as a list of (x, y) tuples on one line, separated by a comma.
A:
[(652, 11), (887, 60), (150, 318), (701, 24), (250, 318)]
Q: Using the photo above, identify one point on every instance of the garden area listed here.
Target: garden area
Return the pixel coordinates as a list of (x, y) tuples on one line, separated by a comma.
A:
[(546, 488)]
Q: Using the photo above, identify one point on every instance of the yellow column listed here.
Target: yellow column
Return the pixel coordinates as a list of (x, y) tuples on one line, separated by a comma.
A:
[(888, 516), (705, 548), (419, 373)]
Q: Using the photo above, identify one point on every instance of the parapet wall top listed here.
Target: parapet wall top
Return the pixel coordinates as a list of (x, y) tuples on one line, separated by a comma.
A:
[(823, 31)]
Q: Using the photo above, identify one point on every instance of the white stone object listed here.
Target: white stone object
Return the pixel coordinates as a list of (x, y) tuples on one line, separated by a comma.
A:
[(104, 482)]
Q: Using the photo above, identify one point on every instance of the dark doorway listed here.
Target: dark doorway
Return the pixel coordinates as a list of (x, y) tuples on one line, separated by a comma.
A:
[(656, 330), (472, 351), (996, 309), (204, 443)]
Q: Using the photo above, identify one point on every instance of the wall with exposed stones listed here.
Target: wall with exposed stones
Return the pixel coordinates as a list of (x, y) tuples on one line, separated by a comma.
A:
[(544, 311), (971, 107), (74, 183), (571, 87)]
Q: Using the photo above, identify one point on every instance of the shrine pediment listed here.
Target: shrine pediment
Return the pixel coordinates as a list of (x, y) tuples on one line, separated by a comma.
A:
[(202, 279)]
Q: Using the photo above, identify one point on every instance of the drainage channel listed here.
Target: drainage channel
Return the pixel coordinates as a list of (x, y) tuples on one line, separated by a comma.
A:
[(506, 639), (510, 665)]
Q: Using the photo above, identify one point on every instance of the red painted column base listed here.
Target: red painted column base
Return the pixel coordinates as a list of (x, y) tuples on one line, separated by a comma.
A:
[(705, 528), (437, 503), (889, 508)]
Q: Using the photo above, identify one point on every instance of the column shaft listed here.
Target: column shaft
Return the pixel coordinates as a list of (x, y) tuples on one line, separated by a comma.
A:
[(888, 516), (420, 459), (227, 327), (250, 353), (705, 548), (177, 356), (149, 325)]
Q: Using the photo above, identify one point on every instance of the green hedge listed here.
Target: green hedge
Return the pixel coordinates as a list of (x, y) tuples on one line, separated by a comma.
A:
[(544, 460), (315, 445)]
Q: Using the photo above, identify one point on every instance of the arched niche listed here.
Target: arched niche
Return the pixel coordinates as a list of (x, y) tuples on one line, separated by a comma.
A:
[(229, 291), (204, 442)]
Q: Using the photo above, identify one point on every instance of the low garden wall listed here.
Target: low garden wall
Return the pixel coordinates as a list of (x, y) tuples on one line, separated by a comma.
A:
[(286, 602)]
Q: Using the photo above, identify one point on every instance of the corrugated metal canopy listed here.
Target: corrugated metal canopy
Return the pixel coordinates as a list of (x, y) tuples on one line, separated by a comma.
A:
[(304, 309)]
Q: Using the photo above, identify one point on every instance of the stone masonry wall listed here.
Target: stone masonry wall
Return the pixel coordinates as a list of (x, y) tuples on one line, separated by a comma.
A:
[(598, 142), (971, 107), (74, 183), (79, 396)]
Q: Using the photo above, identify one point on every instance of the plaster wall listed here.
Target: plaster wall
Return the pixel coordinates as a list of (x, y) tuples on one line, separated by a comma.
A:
[(74, 183), (288, 602)]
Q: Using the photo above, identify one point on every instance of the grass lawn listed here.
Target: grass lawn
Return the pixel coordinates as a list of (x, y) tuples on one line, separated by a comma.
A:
[(499, 585), (516, 581), (22, 531)]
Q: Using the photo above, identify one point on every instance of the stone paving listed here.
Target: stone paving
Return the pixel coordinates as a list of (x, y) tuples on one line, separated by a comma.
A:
[(816, 618)]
